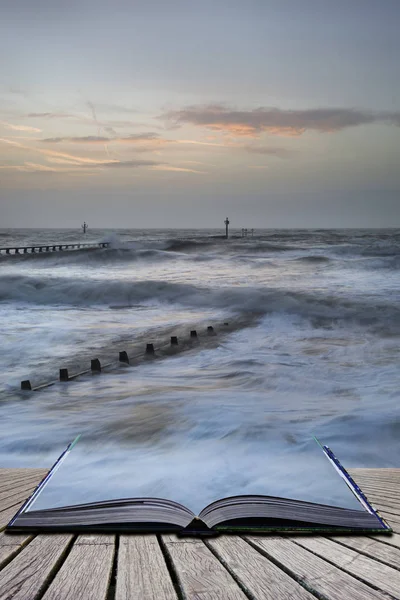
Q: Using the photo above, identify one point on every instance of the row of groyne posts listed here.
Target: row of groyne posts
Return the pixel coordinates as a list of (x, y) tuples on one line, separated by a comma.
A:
[(96, 366), (50, 248)]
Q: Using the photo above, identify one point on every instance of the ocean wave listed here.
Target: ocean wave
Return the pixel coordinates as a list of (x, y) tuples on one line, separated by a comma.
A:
[(319, 307)]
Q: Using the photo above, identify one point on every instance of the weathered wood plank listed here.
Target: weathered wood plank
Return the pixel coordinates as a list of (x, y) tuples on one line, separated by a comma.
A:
[(391, 540), (371, 547), (13, 490), (142, 571), (14, 500), (86, 571), (11, 545), (391, 472), (10, 498), (6, 484), (257, 575), (26, 575), (200, 573), (315, 573), (372, 572), (381, 505), (7, 515)]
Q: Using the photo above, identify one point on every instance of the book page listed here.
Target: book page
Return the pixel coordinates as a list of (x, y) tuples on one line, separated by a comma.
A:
[(194, 476)]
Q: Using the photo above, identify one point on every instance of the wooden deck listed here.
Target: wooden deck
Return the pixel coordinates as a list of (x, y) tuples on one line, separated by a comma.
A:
[(141, 567)]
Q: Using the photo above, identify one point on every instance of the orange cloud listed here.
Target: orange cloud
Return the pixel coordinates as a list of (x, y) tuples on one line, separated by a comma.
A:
[(19, 127), (251, 123)]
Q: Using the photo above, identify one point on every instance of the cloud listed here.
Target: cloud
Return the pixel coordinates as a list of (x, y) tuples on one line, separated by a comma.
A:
[(54, 153), (88, 139), (251, 123), (51, 115), (98, 139), (162, 167), (268, 150), (19, 127), (127, 164)]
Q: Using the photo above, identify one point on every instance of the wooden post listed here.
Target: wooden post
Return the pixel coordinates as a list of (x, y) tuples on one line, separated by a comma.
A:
[(193, 333), (150, 349), (210, 329), (123, 357), (64, 375), (174, 340), (26, 385), (95, 365)]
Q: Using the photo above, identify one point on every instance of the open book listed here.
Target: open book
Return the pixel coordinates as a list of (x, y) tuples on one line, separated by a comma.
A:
[(55, 506)]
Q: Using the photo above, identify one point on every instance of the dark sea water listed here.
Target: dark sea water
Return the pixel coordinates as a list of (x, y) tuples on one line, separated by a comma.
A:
[(313, 349)]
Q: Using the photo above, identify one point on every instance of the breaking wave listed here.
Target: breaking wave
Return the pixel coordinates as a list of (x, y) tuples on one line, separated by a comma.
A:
[(255, 300)]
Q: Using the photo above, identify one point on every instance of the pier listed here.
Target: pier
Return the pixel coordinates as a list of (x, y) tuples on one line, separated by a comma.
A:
[(50, 248), (166, 567)]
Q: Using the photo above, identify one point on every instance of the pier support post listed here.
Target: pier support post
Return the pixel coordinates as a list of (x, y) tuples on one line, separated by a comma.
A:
[(193, 333), (26, 385), (95, 365), (123, 357), (174, 340), (210, 329), (149, 348), (64, 375)]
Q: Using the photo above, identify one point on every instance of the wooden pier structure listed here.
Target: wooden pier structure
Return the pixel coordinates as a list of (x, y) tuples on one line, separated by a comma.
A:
[(165, 567), (50, 248)]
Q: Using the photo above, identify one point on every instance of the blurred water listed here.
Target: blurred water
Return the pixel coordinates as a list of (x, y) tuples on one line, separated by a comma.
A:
[(321, 358)]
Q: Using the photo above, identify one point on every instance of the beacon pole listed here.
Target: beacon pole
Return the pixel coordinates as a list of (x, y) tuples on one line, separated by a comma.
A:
[(226, 227)]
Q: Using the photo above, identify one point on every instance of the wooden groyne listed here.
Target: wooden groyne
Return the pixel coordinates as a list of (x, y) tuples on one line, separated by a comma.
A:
[(166, 567), (140, 352), (50, 248)]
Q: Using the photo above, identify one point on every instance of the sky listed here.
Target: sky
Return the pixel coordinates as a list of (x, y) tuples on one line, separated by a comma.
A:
[(276, 113)]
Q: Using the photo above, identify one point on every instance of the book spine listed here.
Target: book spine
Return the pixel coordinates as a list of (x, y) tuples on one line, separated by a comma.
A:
[(44, 481), (357, 491)]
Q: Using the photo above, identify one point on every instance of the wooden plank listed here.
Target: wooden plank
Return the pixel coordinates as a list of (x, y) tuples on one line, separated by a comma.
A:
[(7, 515), (391, 540), (199, 572), (27, 574), (18, 487), (372, 572), (390, 508), (319, 576), (86, 571), (10, 494), (257, 575), (14, 500), (10, 545), (378, 472), (371, 547), (12, 481), (142, 570)]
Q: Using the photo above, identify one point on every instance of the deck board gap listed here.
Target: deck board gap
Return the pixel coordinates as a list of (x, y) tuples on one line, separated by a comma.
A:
[(357, 577), (232, 573), (176, 582), (55, 569), (286, 570), (367, 554), (15, 552), (113, 577)]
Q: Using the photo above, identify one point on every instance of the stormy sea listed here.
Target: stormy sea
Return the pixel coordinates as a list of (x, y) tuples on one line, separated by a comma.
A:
[(306, 342)]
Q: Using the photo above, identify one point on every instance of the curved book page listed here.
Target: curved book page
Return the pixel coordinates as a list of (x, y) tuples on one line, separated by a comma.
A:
[(143, 512), (270, 509)]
